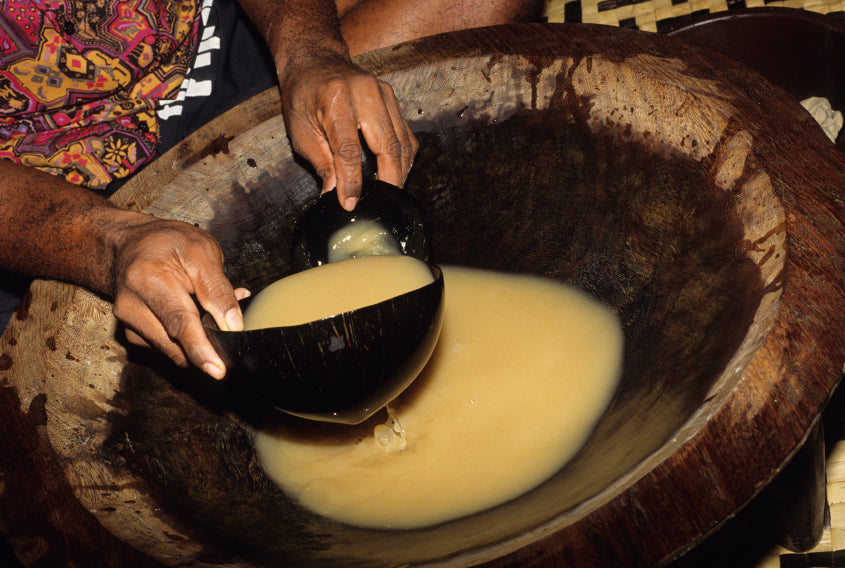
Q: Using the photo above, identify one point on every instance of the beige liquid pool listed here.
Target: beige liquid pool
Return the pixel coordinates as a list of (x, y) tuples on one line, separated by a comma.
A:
[(523, 370)]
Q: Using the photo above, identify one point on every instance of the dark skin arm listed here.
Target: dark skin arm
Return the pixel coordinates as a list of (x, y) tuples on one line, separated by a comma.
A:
[(326, 99), (150, 267), (153, 269)]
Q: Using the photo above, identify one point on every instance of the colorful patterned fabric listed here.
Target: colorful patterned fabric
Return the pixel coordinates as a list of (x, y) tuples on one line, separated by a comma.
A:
[(80, 81)]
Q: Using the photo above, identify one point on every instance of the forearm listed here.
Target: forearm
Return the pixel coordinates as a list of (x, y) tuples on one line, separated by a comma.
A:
[(297, 31), (328, 102), (54, 229)]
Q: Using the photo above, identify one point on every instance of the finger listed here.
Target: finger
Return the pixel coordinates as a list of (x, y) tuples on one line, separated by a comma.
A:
[(191, 336), (408, 156), (170, 348), (216, 296), (409, 153), (311, 144), (341, 127), (143, 328), (409, 145), (378, 126), (176, 330), (391, 140), (181, 321), (136, 339)]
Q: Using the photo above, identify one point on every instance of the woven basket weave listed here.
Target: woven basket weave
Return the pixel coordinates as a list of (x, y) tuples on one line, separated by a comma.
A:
[(657, 15)]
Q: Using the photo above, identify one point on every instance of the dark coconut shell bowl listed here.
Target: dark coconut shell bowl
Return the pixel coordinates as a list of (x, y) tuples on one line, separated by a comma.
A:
[(692, 196), (396, 212), (346, 367), (342, 368)]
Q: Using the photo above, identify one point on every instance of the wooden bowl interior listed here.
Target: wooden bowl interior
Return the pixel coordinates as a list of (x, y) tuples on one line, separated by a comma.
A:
[(668, 220)]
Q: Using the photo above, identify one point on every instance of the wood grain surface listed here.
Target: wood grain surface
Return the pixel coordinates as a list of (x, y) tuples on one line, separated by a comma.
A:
[(105, 447)]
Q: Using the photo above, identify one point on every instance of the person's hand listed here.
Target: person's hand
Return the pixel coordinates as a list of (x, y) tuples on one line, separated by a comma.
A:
[(160, 265), (325, 103)]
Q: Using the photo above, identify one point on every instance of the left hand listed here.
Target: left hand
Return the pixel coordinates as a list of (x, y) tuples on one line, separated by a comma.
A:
[(159, 267), (325, 103)]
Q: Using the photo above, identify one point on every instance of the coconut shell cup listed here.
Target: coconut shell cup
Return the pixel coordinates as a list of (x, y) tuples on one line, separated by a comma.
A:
[(342, 368), (387, 205), (691, 195)]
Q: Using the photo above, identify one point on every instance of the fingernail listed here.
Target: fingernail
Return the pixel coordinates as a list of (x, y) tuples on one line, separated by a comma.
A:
[(216, 370), (234, 320), (350, 203)]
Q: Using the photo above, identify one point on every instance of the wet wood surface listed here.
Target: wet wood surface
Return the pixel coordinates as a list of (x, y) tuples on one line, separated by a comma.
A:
[(85, 479)]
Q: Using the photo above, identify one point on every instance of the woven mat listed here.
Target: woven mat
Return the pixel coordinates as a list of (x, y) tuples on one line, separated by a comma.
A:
[(657, 15)]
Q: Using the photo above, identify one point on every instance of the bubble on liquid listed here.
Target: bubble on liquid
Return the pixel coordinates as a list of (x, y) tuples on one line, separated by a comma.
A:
[(383, 435)]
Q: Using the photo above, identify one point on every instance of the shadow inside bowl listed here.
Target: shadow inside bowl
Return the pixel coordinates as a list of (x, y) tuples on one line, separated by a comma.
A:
[(681, 234)]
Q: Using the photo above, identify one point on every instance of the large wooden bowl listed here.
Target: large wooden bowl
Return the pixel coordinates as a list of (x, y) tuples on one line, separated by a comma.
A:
[(697, 199)]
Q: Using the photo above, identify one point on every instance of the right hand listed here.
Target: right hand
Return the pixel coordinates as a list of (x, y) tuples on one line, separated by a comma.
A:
[(325, 103), (160, 265)]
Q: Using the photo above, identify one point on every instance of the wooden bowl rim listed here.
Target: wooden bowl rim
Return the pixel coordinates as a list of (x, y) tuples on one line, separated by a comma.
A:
[(766, 420)]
